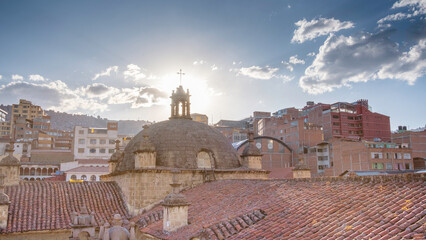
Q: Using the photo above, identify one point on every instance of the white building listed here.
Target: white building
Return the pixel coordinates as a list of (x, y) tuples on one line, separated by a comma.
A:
[(86, 173), (97, 143)]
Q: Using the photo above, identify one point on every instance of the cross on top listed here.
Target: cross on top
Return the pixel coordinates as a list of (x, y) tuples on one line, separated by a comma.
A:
[(180, 77)]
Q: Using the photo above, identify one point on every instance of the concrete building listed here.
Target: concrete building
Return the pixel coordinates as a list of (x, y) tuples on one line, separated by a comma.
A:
[(337, 156), (3, 115), (349, 120), (4, 125), (26, 110), (414, 139), (202, 118), (95, 142)]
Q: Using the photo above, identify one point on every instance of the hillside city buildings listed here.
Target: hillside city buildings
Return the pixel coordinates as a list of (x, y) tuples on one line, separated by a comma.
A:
[(328, 139)]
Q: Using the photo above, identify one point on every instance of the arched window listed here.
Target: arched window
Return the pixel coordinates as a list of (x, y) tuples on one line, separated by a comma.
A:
[(83, 177), (21, 171), (204, 160), (32, 171), (73, 177), (93, 178)]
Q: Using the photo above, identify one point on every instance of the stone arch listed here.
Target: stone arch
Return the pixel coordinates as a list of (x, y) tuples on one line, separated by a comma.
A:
[(38, 172), (205, 159), (21, 171), (31, 179), (26, 179), (26, 171), (44, 171), (83, 177), (37, 179), (32, 171), (49, 171), (93, 178), (55, 169), (266, 137), (73, 177)]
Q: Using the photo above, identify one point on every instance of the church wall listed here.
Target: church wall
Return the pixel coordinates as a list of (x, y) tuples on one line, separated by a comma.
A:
[(12, 175), (38, 235), (144, 188)]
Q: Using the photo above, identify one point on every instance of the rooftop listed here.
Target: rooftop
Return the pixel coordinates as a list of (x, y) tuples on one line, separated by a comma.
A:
[(37, 206), (373, 207), (88, 169)]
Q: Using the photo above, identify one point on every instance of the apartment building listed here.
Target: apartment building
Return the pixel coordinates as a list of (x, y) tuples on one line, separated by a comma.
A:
[(338, 155), (202, 118), (96, 143), (26, 110), (349, 120), (4, 125), (414, 139)]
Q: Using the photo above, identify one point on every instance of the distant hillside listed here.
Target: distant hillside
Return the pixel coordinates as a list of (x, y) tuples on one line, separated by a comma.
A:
[(67, 122)]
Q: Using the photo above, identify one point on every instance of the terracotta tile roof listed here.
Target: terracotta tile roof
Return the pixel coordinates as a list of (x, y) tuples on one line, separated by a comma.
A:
[(88, 169), (92, 161), (55, 178), (376, 207), (37, 206)]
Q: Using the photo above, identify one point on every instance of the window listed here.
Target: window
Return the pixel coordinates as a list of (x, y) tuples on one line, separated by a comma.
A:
[(102, 150), (335, 116), (81, 141), (81, 150), (407, 166), (377, 165), (204, 160), (389, 166), (80, 131), (92, 141), (350, 118), (388, 155), (73, 177), (336, 124), (102, 141), (322, 158), (407, 156), (83, 177), (110, 150), (376, 155), (92, 150), (111, 141), (93, 178)]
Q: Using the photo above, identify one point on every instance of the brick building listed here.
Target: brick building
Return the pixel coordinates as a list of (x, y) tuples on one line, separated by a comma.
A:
[(349, 120), (416, 140), (26, 110), (337, 155)]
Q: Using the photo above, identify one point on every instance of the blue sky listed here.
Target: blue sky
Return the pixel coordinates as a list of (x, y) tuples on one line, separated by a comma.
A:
[(118, 59)]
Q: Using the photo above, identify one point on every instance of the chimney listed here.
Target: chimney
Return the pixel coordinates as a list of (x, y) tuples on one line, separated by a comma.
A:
[(175, 207), (4, 204), (251, 157)]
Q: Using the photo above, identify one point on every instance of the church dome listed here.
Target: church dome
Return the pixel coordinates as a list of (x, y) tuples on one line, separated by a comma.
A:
[(178, 144)]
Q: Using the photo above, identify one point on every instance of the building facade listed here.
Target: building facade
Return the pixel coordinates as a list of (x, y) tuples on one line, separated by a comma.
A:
[(4, 125), (95, 142), (200, 118), (337, 156), (26, 110), (349, 120), (416, 140)]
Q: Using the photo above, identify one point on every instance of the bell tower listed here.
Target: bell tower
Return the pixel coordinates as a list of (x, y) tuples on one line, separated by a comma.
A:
[(181, 106)]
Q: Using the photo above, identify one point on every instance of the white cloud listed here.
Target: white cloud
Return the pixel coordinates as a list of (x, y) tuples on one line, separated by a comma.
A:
[(36, 78), (344, 60), (17, 77), (311, 54), (107, 72), (285, 78), (213, 67), (418, 5), (98, 90), (289, 6), (1, 77), (263, 73), (134, 73), (288, 66), (318, 27), (200, 62), (415, 8), (294, 60), (410, 65), (138, 97)]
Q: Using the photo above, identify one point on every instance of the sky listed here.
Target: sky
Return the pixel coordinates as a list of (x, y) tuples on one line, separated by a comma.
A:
[(119, 59)]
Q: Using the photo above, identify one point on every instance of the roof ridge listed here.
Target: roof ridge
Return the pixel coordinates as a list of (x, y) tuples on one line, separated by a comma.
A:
[(228, 228)]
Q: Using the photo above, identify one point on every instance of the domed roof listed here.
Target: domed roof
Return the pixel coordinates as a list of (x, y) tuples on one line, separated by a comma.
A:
[(177, 143)]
